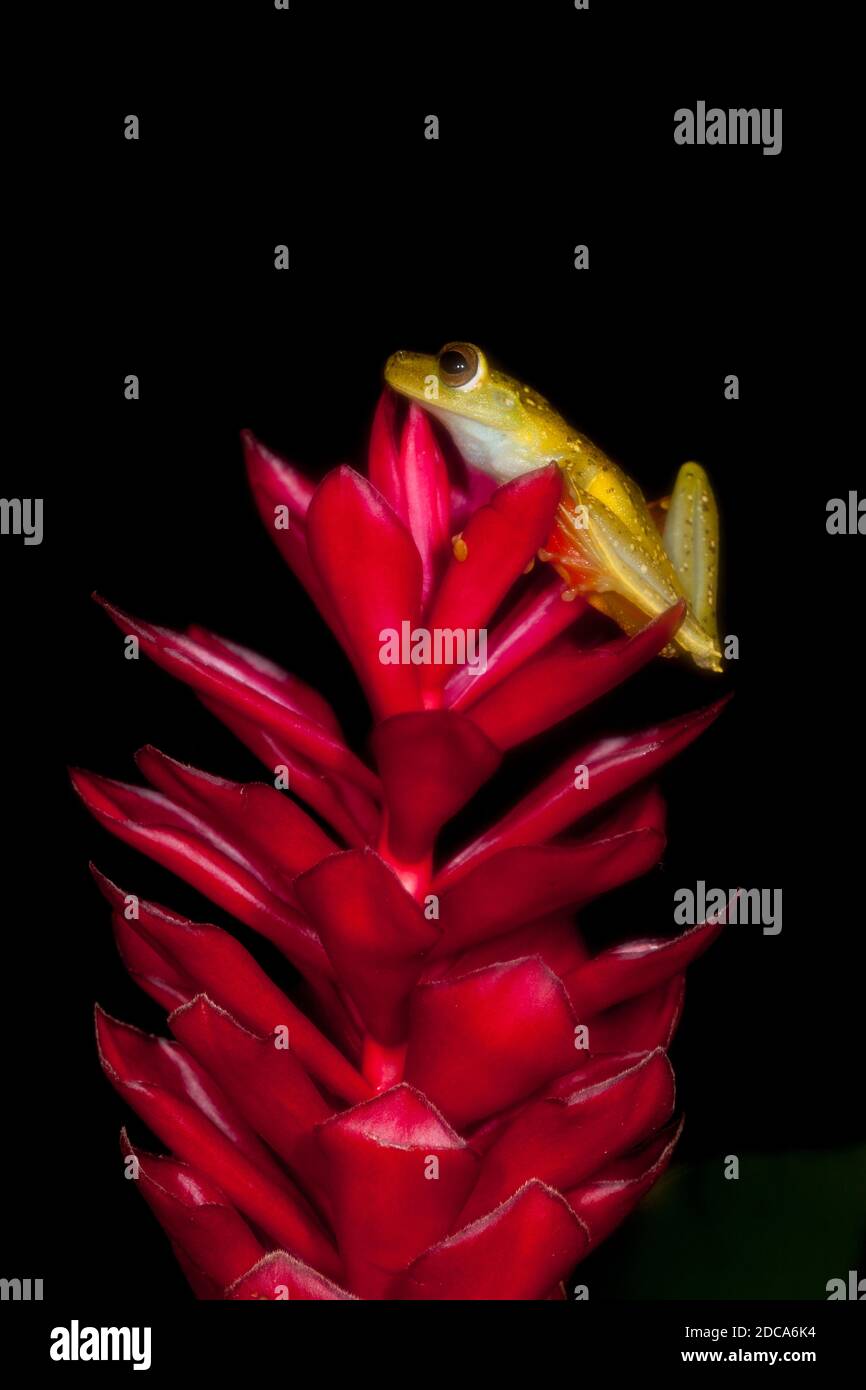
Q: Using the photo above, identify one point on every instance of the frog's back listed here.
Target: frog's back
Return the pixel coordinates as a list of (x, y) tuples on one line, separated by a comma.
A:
[(589, 469)]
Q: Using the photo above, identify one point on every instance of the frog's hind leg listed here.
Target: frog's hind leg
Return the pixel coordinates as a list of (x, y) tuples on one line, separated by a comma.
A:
[(691, 538), (576, 559)]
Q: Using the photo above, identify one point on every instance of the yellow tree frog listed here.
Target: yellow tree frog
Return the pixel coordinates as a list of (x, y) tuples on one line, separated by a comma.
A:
[(630, 559)]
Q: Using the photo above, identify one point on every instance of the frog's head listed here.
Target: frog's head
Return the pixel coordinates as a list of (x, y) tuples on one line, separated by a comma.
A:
[(498, 424)]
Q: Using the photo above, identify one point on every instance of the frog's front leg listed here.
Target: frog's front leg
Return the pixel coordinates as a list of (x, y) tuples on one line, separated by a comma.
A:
[(628, 573), (625, 572), (690, 534)]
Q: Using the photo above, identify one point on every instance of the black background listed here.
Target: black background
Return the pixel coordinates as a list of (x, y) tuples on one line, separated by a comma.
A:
[(314, 137)]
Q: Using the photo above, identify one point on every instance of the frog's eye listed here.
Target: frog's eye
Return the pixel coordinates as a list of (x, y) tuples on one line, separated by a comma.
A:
[(459, 364)]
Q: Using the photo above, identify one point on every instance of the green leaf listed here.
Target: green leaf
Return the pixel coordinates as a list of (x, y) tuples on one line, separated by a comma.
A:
[(780, 1230)]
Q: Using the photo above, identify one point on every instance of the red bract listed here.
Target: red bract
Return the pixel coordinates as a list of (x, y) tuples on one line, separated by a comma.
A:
[(461, 1100)]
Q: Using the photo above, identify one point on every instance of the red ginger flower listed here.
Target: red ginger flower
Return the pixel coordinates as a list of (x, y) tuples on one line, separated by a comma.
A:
[(469, 1100)]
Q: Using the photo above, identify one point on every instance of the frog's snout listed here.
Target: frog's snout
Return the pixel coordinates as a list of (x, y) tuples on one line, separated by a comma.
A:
[(405, 371)]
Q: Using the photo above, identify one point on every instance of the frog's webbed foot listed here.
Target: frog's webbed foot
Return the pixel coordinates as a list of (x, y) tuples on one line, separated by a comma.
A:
[(690, 534)]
